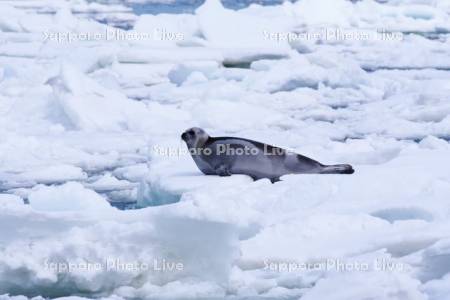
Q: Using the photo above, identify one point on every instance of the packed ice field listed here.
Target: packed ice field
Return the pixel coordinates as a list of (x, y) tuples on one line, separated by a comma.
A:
[(94, 98)]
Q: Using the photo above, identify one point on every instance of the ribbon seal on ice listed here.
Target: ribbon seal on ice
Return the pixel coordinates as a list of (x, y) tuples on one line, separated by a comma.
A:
[(225, 156)]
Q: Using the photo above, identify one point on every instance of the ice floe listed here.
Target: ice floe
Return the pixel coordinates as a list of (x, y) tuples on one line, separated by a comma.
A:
[(93, 173)]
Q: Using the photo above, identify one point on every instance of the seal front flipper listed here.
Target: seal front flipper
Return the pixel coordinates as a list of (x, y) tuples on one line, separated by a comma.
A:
[(222, 170), (275, 179)]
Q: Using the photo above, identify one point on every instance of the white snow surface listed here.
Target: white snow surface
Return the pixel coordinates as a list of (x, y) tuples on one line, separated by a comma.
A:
[(89, 122)]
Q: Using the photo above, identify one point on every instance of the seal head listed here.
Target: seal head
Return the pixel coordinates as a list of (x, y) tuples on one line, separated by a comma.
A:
[(195, 137)]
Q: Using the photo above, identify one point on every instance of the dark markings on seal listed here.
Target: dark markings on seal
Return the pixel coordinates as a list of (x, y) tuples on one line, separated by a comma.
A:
[(225, 156)]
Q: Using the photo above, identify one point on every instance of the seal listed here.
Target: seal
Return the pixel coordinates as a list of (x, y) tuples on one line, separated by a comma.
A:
[(225, 156)]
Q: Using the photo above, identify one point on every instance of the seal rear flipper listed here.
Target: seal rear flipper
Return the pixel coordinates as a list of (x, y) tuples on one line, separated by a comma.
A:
[(337, 169)]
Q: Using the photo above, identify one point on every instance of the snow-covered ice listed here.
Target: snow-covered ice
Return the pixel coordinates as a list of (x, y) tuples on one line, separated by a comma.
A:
[(99, 197)]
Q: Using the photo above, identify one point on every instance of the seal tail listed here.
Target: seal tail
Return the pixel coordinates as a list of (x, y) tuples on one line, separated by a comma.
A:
[(337, 169)]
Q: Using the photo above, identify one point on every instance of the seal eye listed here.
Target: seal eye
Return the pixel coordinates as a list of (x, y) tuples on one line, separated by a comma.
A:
[(191, 132)]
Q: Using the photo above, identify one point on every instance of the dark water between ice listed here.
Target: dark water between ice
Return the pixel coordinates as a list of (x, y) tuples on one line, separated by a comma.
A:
[(189, 6)]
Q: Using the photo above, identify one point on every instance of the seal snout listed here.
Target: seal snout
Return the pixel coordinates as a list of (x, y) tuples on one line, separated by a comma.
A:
[(188, 134)]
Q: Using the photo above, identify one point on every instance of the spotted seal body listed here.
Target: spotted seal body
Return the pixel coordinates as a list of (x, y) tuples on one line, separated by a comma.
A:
[(225, 156)]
